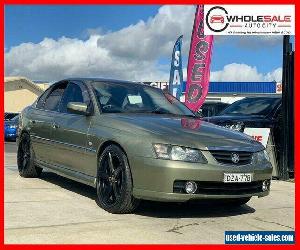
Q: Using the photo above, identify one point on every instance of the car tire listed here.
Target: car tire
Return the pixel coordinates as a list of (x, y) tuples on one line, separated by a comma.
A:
[(114, 182), (26, 158), (237, 201)]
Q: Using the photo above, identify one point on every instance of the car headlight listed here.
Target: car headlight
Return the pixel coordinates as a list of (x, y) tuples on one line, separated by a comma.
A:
[(178, 153), (237, 126), (260, 156)]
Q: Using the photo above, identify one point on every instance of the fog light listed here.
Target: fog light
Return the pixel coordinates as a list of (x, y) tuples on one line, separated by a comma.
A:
[(265, 185), (190, 187)]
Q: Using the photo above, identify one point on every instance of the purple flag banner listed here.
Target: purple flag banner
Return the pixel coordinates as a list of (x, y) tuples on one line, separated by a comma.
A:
[(198, 63)]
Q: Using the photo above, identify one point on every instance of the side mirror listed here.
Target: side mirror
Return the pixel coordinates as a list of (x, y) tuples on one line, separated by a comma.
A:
[(78, 108)]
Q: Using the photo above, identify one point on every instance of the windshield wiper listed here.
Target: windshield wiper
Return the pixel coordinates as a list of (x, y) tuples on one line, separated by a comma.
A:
[(193, 116), (168, 113), (160, 112)]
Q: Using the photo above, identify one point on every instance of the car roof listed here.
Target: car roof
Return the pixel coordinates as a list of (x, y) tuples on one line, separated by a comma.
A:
[(262, 97), (107, 80)]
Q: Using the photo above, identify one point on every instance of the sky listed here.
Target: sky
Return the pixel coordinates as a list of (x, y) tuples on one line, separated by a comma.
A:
[(48, 43)]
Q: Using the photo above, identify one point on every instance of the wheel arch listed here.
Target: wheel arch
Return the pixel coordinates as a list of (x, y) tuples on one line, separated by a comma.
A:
[(24, 131), (107, 143)]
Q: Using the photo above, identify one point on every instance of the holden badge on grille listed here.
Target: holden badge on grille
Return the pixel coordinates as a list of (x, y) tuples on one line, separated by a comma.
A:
[(235, 157)]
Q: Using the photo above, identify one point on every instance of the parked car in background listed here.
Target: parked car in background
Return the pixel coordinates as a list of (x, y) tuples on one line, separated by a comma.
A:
[(8, 116), (255, 112), (210, 108), (131, 141), (11, 128)]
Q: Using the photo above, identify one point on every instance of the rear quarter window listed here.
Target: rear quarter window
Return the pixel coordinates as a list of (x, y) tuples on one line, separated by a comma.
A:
[(41, 101)]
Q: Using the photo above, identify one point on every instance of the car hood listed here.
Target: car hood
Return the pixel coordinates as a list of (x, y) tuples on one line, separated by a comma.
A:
[(184, 131)]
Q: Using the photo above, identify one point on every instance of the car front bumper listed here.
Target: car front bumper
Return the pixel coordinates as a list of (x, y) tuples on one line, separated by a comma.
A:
[(154, 179), (10, 136), (10, 133)]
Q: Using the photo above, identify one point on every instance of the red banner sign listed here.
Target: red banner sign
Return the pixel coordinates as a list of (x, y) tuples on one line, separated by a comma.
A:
[(198, 64)]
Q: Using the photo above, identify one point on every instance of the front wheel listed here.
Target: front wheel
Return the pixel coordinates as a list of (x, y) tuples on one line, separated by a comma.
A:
[(25, 158), (114, 182)]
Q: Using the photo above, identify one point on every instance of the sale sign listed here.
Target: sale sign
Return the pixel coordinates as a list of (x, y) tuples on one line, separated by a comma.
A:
[(259, 134), (176, 75)]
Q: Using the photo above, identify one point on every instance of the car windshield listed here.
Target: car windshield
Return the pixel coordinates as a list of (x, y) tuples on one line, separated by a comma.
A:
[(137, 98), (251, 106)]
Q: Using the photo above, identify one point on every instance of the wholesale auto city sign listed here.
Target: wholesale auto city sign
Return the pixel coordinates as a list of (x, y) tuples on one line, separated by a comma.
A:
[(249, 19)]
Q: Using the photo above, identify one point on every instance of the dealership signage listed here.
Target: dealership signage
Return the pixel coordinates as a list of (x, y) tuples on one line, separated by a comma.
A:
[(259, 134), (249, 20), (278, 88), (176, 75)]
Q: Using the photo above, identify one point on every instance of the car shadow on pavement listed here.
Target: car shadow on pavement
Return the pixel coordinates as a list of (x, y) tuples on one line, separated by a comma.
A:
[(69, 184), (199, 209), (194, 209)]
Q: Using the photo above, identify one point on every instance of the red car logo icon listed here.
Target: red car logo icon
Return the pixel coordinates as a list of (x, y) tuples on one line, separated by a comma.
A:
[(217, 19)]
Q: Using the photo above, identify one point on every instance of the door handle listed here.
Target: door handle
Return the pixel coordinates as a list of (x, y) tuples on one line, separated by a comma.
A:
[(55, 125)]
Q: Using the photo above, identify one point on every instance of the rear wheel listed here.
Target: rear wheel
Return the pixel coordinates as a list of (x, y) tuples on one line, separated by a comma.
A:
[(25, 158), (114, 182)]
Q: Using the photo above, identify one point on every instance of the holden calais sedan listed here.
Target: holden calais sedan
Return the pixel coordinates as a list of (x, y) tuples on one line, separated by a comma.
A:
[(131, 141)]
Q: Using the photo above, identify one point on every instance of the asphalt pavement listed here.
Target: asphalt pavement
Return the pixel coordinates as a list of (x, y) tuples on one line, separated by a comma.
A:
[(53, 209), (10, 147)]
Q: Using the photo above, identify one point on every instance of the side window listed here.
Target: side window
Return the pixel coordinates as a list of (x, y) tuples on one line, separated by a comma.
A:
[(41, 101), (74, 93), (52, 101)]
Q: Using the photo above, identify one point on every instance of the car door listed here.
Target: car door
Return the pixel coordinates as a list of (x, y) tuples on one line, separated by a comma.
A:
[(41, 122), (70, 130)]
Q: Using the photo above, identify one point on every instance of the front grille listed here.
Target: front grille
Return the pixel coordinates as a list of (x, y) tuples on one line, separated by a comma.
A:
[(220, 188), (225, 157)]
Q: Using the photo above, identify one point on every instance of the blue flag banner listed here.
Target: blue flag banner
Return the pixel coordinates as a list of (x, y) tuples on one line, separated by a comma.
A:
[(176, 76)]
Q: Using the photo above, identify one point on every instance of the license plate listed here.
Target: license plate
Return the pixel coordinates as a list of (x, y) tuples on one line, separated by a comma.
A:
[(238, 177)]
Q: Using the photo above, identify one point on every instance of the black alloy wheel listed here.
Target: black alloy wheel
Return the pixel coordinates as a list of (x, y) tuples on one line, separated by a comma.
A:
[(111, 178), (25, 158), (114, 182)]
